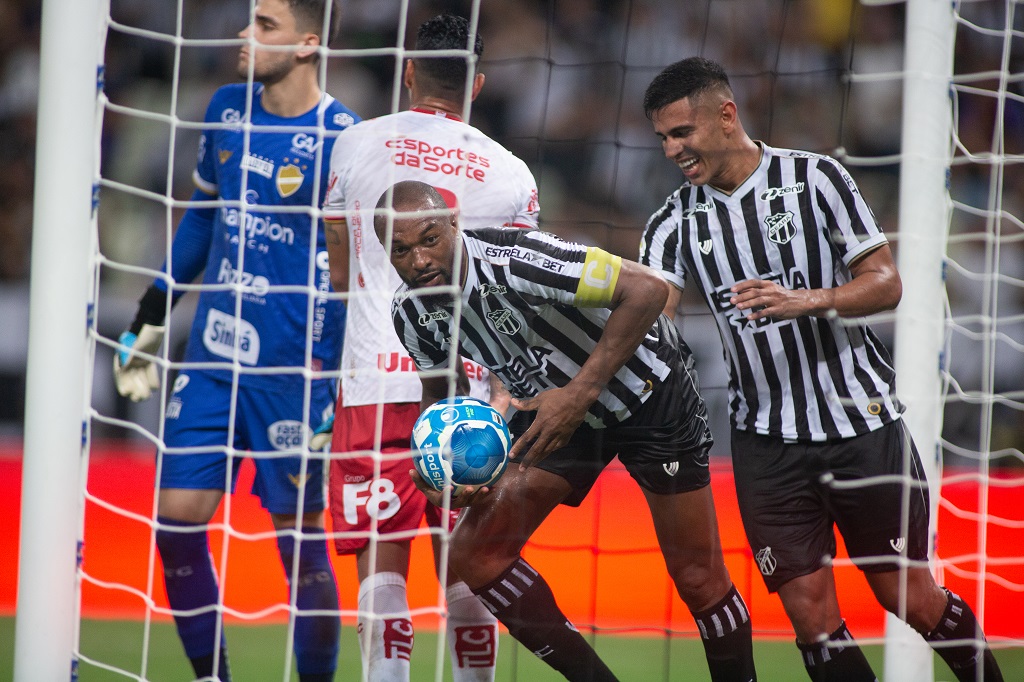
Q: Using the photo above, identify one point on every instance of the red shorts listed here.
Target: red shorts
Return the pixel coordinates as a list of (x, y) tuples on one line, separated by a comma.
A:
[(373, 495)]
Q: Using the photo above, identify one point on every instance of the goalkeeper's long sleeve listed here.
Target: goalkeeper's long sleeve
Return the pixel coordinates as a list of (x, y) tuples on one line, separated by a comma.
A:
[(189, 250), (191, 244)]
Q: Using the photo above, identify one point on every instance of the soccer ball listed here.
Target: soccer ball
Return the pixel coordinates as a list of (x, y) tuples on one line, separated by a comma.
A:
[(460, 441)]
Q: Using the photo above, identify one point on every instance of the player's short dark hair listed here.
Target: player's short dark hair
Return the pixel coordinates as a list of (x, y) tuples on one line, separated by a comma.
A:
[(309, 17), (403, 193), (691, 77), (445, 76)]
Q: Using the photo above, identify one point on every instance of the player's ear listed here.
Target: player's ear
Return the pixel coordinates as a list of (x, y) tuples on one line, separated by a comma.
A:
[(478, 84), (410, 72), (728, 115), (308, 45)]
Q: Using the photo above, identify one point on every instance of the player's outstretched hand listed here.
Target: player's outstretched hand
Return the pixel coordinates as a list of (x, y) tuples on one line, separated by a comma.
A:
[(322, 436), (135, 376), (560, 411), (463, 496)]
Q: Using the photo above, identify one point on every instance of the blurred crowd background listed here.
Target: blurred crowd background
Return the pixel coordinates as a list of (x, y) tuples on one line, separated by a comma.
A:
[(563, 91)]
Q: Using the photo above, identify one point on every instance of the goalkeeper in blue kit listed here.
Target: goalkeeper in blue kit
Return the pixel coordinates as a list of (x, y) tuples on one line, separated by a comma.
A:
[(246, 373)]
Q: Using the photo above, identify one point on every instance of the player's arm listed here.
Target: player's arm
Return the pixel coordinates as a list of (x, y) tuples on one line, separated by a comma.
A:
[(500, 398), (672, 303), (876, 286), (134, 375), (437, 387), (336, 231), (636, 296)]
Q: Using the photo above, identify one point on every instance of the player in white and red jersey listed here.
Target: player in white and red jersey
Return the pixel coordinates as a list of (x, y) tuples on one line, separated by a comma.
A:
[(380, 388)]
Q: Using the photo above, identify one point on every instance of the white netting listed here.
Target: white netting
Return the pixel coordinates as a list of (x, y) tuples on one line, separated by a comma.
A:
[(564, 81), (983, 436)]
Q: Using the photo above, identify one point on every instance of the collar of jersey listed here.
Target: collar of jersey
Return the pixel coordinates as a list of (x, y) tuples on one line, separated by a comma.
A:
[(436, 112), (257, 105), (741, 189)]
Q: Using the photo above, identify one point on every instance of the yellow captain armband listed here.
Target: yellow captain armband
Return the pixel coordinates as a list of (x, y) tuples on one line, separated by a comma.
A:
[(597, 283)]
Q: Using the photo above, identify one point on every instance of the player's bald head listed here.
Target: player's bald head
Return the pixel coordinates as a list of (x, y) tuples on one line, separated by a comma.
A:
[(696, 78), (405, 197)]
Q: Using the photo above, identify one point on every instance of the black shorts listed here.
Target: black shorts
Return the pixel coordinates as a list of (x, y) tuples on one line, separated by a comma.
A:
[(791, 495), (664, 445)]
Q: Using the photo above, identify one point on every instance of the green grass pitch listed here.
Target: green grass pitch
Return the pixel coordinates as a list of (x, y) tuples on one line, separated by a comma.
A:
[(257, 653)]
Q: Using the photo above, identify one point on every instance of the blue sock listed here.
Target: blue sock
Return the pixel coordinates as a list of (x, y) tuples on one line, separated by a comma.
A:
[(316, 637), (191, 584)]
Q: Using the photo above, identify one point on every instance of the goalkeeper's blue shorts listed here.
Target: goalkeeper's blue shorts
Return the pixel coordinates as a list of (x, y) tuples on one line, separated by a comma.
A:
[(268, 427)]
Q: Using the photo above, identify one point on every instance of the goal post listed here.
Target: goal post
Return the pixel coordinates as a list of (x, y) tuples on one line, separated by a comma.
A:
[(56, 387), (924, 214)]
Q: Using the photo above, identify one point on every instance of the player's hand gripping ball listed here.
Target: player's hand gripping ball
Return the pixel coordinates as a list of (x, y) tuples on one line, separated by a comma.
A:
[(460, 441)]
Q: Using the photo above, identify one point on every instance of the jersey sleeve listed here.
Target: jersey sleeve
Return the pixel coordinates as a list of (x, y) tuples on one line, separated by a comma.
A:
[(342, 153), (546, 268), (205, 174), (659, 244), (191, 244), (850, 223), (528, 209)]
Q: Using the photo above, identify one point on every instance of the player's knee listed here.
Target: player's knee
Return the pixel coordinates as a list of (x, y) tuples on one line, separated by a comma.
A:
[(477, 563), (460, 556), (920, 604), (699, 584)]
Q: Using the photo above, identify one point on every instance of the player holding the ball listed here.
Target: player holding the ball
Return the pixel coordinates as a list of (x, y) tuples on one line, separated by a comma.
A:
[(595, 371)]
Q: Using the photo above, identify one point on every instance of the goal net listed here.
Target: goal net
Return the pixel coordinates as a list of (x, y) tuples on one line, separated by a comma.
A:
[(564, 82)]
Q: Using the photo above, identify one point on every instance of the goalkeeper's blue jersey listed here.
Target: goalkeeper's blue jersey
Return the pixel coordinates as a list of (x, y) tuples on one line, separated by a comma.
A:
[(272, 179)]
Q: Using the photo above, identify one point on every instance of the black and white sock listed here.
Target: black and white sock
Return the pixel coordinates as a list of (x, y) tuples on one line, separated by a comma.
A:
[(837, 659), (960, 642), (523, 602), (726, 633)]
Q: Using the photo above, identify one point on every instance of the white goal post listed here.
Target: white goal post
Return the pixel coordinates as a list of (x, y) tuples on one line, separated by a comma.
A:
[(57, 379), (924, 214)]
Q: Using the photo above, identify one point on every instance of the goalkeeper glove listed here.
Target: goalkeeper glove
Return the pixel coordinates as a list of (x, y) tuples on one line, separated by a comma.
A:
[(322, 436), (136, 377)]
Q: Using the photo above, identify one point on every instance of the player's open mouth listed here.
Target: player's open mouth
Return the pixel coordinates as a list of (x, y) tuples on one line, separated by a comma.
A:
[(687, 164)]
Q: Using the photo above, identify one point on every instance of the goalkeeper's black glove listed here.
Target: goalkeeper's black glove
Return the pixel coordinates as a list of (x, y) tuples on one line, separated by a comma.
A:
[(135, 376)]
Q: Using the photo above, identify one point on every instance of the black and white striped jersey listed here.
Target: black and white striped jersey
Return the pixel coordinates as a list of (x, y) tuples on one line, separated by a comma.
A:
[(798, 220), (532, 311)]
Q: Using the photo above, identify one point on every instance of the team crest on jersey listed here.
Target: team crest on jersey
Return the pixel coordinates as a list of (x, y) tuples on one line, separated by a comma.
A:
[(765, 561), (705, 246), (504, 321), (781, 228), (289, 180), (224, 155)]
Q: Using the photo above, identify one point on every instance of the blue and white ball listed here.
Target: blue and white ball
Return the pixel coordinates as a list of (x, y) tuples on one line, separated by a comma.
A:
[(460, 441)]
